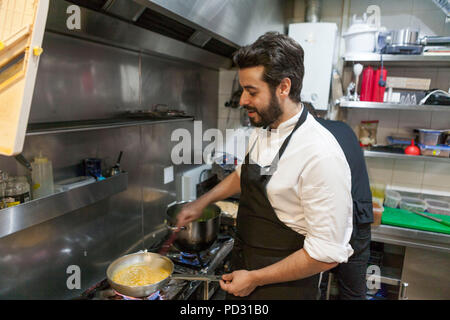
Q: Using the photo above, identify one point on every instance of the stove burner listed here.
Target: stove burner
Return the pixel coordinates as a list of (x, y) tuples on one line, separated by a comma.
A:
[(154, 296), (191, 259)]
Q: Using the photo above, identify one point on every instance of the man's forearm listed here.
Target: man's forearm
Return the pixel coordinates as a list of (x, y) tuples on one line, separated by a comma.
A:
[(231, 185), (296, 266)]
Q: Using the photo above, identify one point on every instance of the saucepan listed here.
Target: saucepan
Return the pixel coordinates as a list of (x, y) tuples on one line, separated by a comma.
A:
[(197, 235), (156, 262)]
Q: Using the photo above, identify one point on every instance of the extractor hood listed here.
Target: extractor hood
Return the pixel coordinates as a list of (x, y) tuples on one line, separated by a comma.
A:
[(217, 26), (126, 24), (233, 22)]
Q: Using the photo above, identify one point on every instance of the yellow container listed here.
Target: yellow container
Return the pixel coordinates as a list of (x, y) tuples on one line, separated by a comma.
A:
[(378, 190)]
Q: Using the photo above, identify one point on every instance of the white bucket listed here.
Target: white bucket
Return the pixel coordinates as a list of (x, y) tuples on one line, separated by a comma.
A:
[(360, 41)]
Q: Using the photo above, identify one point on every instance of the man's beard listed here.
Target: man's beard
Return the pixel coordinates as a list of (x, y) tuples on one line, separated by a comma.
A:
[(269, 114)]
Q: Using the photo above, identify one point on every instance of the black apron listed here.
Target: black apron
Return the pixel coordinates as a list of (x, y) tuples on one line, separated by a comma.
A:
[(261, 238)]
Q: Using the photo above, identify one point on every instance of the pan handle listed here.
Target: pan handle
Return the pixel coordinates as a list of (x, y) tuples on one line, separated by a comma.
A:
[(173, 228), (192, 277)]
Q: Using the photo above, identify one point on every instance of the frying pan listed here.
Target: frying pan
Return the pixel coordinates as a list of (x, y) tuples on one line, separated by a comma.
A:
[(153, 260)]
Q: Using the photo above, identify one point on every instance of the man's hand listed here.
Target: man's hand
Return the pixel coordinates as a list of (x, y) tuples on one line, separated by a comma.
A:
[(189, 212), (239, 283)]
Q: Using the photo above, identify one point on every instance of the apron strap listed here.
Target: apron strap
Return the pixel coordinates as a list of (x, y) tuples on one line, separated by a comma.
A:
[(269, 170)]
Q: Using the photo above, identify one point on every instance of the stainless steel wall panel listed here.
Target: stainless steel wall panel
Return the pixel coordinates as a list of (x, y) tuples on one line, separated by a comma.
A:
[(182, 86), (79, 80)]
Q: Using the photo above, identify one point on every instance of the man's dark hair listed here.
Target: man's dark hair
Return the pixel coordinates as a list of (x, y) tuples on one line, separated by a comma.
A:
[(281, 56)]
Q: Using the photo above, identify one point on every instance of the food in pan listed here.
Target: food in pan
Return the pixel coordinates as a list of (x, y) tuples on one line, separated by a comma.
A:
[(208, 213), (139, 275), (228, 207)]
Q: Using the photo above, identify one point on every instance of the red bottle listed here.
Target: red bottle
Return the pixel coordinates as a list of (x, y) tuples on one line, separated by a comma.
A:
[(367, 84), (378, 91)]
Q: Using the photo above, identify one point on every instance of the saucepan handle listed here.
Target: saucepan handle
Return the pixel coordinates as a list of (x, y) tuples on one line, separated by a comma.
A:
[(173, 228), (201, 277)]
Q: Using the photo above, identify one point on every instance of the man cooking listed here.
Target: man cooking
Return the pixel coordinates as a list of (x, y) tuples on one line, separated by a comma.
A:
[(295, 212)]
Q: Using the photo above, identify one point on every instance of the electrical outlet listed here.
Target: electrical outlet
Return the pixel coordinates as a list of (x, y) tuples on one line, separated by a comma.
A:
[(168, 174)]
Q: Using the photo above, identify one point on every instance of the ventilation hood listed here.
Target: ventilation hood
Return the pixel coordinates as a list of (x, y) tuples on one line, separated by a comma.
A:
[(233, 22), (125, 24), (215, 27)]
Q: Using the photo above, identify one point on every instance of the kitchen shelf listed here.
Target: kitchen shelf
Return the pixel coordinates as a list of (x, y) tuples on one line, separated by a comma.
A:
[(95, 124), (36, 211), (401, 156), (392, 106), (398, 59)]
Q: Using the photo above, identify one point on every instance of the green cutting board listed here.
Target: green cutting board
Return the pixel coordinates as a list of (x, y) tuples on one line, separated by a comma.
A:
[(407, 219)]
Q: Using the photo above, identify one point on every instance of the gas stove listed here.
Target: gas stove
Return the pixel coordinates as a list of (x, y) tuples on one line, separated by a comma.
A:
[(214, 260)]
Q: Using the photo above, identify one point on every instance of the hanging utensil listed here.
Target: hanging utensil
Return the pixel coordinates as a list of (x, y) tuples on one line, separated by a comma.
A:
[(116, 169)]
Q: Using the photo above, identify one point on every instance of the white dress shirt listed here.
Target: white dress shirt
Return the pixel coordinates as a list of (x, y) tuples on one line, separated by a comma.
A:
[(311, 189)]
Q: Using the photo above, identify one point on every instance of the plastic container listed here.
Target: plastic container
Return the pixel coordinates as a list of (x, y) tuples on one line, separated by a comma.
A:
[(430, 137), (392, 199), (438, 206), (377, 211), (436, 151), (42, 177), (360, 36), (17, 191), (399, 140), (378, 190), (411, 204)]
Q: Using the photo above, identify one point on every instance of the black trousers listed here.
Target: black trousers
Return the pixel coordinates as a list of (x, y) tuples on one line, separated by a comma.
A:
[(351, 276)]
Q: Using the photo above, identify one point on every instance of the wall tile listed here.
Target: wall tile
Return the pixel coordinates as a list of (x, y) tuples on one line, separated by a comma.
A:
[(388, 123), (437, 174), (443, 76), (429, 22), (410, 120), (440, 120), (408, 172), (419, 5), (380, 170), (395, 21), (388, 6)]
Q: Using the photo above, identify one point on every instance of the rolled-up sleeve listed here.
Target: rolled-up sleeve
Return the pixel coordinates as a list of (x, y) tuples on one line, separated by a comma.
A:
[(325, 193)]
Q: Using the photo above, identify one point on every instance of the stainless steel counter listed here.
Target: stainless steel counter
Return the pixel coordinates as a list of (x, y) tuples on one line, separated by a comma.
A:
[(411, 238)]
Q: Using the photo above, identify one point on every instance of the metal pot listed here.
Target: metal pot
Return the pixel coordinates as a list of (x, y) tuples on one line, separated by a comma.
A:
[(197, 235), (154, 261), (405, 36)]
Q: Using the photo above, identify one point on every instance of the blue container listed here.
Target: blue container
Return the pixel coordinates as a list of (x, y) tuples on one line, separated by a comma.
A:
[(92, 167)]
